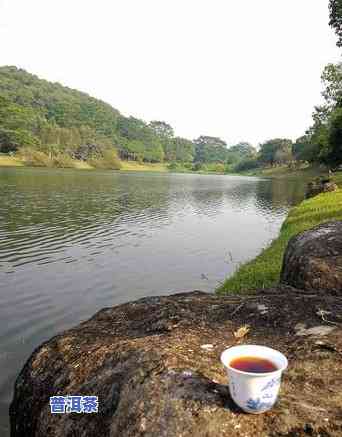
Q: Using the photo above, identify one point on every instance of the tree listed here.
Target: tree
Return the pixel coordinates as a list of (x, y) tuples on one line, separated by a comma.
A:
[(275, 151), (322, 142), (210, 149), (240, 152), (184, 149), (132, 130), (304, 150), (162, 129), (283, 155), (247, 164), (335, 9), (332, 82), (334, 156)]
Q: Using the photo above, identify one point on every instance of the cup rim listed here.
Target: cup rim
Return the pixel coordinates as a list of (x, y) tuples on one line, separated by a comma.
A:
[(279, 370)]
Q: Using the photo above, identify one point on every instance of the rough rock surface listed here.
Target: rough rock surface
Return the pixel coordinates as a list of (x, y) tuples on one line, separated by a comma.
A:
[(313, 259), (146, 362), (329, 187), (320, 186)]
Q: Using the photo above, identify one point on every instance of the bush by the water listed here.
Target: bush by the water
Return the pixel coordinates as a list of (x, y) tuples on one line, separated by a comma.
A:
[(63, 160), (37, 158), (250, 164), (108, 160), (175, 166), (215, 167), (34, 158), (180, 166)]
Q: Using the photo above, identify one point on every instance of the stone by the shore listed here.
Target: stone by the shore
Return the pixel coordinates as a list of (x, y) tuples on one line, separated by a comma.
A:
[(313, 259), (320, 186), (155, 366)]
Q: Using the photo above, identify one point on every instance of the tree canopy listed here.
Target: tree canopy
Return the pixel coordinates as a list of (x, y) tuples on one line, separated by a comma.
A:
[(276, 151), (210, 149), (335, 9)]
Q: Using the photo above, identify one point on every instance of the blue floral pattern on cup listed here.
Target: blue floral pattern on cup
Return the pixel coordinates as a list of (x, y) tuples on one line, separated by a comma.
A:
[(258, 405), (272, 383)]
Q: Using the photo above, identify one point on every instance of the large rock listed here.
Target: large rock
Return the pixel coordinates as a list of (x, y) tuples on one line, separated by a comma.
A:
[(320, 186), (154, 364), (313, 259)]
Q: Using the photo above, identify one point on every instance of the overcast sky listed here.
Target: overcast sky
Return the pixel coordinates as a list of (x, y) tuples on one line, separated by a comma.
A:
[(238, 69)]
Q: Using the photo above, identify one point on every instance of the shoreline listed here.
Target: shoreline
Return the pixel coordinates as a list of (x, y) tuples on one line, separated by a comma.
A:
[(13, 161), (264, 270), (7, 161), (270, 173)]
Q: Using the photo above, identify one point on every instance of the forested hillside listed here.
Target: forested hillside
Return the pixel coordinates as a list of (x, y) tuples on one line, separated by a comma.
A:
[(57, 120)]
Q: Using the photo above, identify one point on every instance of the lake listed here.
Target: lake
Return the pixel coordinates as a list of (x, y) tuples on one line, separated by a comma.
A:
[(73, 242)]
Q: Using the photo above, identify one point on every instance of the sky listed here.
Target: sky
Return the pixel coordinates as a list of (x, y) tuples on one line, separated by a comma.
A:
[(242, 70)]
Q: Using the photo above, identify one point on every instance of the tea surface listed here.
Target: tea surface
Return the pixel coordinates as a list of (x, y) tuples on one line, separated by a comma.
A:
[(253, 365)]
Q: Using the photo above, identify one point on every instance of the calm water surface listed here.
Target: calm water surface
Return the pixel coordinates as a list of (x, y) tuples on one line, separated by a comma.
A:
[(72, 242)]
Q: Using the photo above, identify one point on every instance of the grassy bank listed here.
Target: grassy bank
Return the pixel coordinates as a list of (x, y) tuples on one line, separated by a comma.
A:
[(306, 174), (10, 161), (283, 172), (135, 166), (17, 161), (264, 270), (13, 161)]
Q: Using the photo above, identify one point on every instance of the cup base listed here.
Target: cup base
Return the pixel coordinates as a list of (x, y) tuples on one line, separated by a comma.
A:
[(255, 412)]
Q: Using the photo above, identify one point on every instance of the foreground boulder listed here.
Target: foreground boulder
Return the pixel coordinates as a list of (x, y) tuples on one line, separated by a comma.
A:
[(313, 259), (154, 364)]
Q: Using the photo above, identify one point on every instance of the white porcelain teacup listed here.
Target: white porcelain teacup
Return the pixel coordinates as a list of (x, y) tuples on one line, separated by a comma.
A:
[(254, 392)]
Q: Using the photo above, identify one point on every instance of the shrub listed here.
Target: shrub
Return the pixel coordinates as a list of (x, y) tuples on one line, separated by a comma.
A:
[(12, 140), (199, 166), (34, 158), (249, 164), (173, 166), (109, 160), (219, 168), (63, 160)]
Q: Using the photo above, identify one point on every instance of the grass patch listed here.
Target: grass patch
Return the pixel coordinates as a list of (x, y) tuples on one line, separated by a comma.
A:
[(34, 158), (82, 165), (135, 166), (264, 270), (10, 161)]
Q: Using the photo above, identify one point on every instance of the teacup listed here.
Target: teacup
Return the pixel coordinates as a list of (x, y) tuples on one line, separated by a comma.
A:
[(254, 392)]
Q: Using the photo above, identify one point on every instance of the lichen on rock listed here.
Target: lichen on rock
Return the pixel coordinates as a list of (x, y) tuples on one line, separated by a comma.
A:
[(313, 259)]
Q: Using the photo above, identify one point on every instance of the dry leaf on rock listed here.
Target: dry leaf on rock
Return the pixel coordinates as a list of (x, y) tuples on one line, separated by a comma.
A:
[(242, 332)]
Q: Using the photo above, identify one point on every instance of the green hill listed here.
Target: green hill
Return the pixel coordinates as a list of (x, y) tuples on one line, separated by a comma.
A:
[(58, 121)]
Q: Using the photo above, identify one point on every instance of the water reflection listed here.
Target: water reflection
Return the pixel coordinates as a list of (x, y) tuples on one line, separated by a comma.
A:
[(72, 242)]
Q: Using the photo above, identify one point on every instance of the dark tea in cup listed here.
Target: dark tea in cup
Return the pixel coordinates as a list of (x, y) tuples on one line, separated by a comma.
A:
[(253, 365), (254, 376)]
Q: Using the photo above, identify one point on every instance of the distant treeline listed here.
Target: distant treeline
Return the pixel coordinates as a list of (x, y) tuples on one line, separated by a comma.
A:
[(47, 121), (56, 120)]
